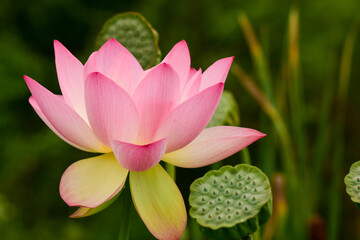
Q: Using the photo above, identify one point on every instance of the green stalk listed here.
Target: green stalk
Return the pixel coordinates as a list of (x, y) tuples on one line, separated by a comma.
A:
[(295, 203), (275, 229), (246, 156), (266, 99), (257, 235), (125, 214), (345, 69), (274, 115), (263, 72), (321, 145), (268, 154), (296, 103), (258, 56), (250, 237), (171, 170), (335, 189), (296, 90), (195, 232), (216, 166)]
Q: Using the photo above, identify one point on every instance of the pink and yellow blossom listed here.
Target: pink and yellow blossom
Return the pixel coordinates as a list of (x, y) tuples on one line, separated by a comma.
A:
[(136, 118)]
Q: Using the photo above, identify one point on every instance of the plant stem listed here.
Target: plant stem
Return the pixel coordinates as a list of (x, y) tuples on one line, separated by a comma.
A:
[(246, 156), (322, 144), (258, 56), (256, 235), (249, 237), (345, 69), (125, 214), (274, 115), (298, 223), (295, 90), (171, 170)]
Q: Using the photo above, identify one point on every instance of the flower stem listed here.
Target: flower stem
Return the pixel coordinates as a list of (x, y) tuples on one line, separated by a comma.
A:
[(125, 219), (288, 157), (171, 170), (249, 237), (339, 135), (256, 235), (246, 156)]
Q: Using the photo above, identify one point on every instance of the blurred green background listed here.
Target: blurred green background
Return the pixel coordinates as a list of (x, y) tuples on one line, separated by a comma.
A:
[(33, 158)]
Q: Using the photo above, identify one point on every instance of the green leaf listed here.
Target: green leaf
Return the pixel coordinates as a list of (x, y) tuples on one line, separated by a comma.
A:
[(352, 182), (136, 34), (232, 202), (227, 112)]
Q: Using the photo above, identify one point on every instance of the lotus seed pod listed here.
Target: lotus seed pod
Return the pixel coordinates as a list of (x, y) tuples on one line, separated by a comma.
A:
[(136, 34), (232, 202), (352, 182)]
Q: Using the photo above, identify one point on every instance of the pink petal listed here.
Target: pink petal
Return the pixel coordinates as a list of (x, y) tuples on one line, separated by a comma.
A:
[(125, 70), (192, 71), (142, 76), (91, 65), (154, 97), (139, 157), (179, 59), (188, 119), (212, 145), (216, 73), (93, 181), (70, 74), (192, 87), (64, 119), (112, 112), (107, 54), (159, 203), (37, 109)]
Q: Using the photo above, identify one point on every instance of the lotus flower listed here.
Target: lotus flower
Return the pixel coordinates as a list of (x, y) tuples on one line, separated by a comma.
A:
[(136, 118)]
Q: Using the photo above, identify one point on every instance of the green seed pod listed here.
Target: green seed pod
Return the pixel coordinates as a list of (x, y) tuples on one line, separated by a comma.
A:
[(136, 34), (232, 202), (352, 182)]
